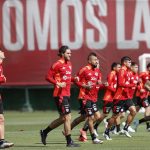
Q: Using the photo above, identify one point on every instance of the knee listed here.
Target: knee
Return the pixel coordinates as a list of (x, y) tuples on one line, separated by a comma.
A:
[(1, 119), (67, 117), (133, 112)]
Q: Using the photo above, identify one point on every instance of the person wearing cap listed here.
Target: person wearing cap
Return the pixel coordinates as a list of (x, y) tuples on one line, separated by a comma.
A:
[(60, 76), (3, 142)]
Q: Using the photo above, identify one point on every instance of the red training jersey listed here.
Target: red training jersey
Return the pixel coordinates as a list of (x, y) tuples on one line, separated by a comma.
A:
[(144, 76), (134, 80), (111, 88), (2, 77), (123, 86), (60, 72), (91, 76)]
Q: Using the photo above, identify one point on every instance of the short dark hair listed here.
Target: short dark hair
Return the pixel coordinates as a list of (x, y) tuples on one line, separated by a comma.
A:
[(134, 64), (148, 65), (125, 58), (62, 50), (92, 54), (114, 64)]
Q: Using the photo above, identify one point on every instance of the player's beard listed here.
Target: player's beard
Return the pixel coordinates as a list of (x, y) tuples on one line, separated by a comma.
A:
[(94, 65)]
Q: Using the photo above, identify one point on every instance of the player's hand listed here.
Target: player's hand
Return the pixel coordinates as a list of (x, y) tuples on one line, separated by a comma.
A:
[(142, 90), (4, 78), (99, 82), (61, 84), (89, 86), (106, 84), (76, 79)]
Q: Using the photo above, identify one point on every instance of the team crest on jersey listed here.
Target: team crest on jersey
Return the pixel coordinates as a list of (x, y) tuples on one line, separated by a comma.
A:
[(65, 77), (96, 73), (89, 74)]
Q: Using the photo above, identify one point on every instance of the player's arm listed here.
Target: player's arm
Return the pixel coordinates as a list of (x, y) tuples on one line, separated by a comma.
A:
[(50, 76), (79, 77), (110, 81), (2, 79)]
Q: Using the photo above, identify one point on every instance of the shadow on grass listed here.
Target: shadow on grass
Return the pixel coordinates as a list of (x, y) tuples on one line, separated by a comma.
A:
[(52, 143)]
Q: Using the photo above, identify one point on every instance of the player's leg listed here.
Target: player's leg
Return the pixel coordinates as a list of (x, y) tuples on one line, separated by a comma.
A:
[(129, 105), (117, 107), (107, 106), (3, 143), (146, 105), (82, 116), (147, 114), (67, 122), (54, 124), (148, 122), (91, 109)]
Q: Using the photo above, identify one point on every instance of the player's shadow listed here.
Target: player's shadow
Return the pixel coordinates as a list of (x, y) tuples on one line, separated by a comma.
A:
[(47, 143)]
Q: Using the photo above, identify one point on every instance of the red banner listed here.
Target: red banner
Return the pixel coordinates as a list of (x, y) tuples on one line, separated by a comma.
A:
[(31, 32)]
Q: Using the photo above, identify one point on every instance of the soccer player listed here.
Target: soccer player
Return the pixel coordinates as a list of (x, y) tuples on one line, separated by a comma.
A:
[(3, 143), (60, 75), (122, 99), (92, 81), (142, 98), (82, 112), (109, 93)]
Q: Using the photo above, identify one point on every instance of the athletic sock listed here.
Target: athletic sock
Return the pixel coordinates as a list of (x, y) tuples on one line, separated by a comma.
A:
[(112, 128), (118, 127), (126, 127), (68, 139), (86, 127), (96, 125), (147, 118), (107, 131), (93, 136), (47, 130), (147, 125)]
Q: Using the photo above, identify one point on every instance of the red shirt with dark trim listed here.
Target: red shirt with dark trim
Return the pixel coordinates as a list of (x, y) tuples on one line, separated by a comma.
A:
[(111, 88), (90, 75), (134, 80), (123, 86), (79, 84), (2, 78), (144, 76), (60, 72)]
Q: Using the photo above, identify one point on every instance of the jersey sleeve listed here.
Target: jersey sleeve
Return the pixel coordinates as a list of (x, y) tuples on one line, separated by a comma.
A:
[(50, 77), (110, 80), (2, 78), (80, 76)]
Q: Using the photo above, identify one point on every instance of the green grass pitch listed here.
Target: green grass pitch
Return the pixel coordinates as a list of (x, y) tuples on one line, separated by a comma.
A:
[(22, 128)]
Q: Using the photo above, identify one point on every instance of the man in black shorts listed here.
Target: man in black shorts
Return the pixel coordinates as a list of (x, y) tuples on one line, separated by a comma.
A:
[(3, 143), (60, 76)]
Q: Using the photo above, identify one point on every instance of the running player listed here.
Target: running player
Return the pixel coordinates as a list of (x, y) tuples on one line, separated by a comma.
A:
[(60, 75), (122, 99), (109, 93), (92, 77), (3, 143), (142, 98)]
